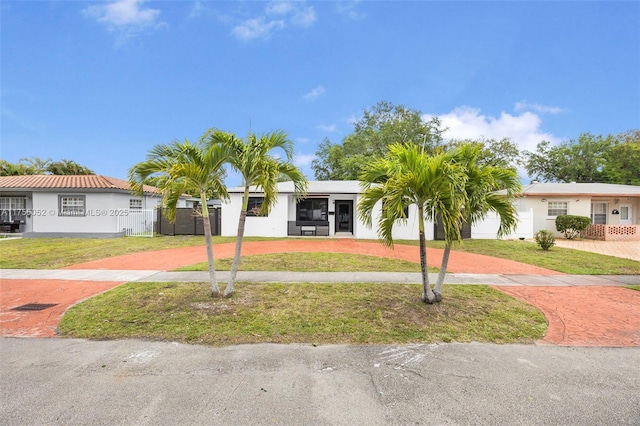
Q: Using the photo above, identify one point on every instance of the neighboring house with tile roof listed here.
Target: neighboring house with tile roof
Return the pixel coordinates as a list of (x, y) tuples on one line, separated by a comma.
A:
[(72, 206), (614, 209)]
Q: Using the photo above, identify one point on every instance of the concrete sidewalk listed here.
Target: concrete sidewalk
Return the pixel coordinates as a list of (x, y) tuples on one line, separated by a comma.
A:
[(319, 277)]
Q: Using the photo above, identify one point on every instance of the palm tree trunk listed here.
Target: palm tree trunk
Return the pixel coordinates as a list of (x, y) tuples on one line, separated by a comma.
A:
[(427, 294), (228, 291), (443, 271), (215, 290)]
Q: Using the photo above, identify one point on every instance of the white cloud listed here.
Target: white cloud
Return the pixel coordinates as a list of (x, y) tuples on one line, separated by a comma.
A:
[(122, 13), (277, 16), (327, 127), (539, 108), (126, 18), (314, 93), (256, 28), (198, 9), (304, 17), (348, 8), (303, 160), (468, 123), (279, 8)]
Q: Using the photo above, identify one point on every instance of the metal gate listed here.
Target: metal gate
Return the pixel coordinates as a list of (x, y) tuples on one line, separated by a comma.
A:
[(188, 222), (137, 222)]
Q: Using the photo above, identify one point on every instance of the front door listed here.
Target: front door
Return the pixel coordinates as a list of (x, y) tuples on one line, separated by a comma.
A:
[(344, 216), (626, 214)]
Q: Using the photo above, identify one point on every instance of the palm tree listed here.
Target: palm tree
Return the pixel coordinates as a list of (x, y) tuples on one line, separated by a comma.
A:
[(480, 197), (259, 168), (182, 167), (407, 175), (68, 167)]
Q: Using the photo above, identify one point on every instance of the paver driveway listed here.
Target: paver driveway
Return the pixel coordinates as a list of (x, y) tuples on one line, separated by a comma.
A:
[(573, 320)]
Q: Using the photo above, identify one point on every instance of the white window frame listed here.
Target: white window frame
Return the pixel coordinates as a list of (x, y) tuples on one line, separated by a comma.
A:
[(13, 208), (135, 204), (72, 205), (557, 208), (603, 213)]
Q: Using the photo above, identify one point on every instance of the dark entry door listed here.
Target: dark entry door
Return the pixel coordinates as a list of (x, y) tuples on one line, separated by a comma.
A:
[(344, 216)]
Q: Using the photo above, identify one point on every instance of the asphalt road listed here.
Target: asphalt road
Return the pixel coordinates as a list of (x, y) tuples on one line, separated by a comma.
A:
[(77, 382)]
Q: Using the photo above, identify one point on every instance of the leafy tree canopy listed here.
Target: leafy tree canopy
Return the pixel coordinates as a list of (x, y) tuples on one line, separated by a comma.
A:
[(382, 125), (623, 160), (611, 159), (38, 166), (503, 153)]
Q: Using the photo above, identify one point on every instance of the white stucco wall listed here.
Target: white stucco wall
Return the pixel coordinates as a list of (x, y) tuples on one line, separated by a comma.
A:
[(408, 230), (276, 224), (578, 206), (273, 225), (102, 211), (488, 228)]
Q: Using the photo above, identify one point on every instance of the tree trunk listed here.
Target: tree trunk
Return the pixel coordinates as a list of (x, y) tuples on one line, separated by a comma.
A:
[(215, 290), (427, 294), (443, 271), (228, 291)]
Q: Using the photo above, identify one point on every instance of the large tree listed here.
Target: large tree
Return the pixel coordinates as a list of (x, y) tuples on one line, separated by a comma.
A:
[(181, 167), (482, 183), (409, 175), (572, 161), (623, 160), (493, 152), (257, 162), (380, 126)]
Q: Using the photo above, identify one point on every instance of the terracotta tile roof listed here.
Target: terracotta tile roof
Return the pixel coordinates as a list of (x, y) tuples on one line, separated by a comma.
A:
[(68, 182)]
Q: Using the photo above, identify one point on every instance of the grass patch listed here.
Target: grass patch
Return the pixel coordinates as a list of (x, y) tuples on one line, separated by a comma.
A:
[(312, 262), (303, 313), (53, 253), (634, 287), (558, 259)]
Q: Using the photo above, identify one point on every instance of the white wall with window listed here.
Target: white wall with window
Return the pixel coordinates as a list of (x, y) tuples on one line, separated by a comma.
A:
[(273, 225), (135, 203), (546, 209), (82, 213)]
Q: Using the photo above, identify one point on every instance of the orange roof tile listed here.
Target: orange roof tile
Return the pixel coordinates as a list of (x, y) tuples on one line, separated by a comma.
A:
[(68, 182)]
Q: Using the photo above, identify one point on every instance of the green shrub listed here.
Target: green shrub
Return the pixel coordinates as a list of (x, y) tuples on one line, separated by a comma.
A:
[(571, 226), (545, 239)]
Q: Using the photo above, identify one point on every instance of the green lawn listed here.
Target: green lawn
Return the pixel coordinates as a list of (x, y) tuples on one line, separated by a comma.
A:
[(313, 262), (303, 313), (558, 259), (51, 253)]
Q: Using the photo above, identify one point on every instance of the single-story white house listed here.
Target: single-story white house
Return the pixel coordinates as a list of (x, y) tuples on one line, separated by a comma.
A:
[(614, 209), (329, 209), (73, 206)]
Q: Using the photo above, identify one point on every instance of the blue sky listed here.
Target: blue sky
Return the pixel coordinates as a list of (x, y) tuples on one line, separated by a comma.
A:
[(101, 82)]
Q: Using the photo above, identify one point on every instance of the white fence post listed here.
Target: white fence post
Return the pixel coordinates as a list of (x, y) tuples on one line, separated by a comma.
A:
[(137, 222)]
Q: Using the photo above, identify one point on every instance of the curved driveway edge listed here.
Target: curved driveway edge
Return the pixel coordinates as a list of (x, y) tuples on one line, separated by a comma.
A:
[(166, 260), (588, 315), (585, 316)]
